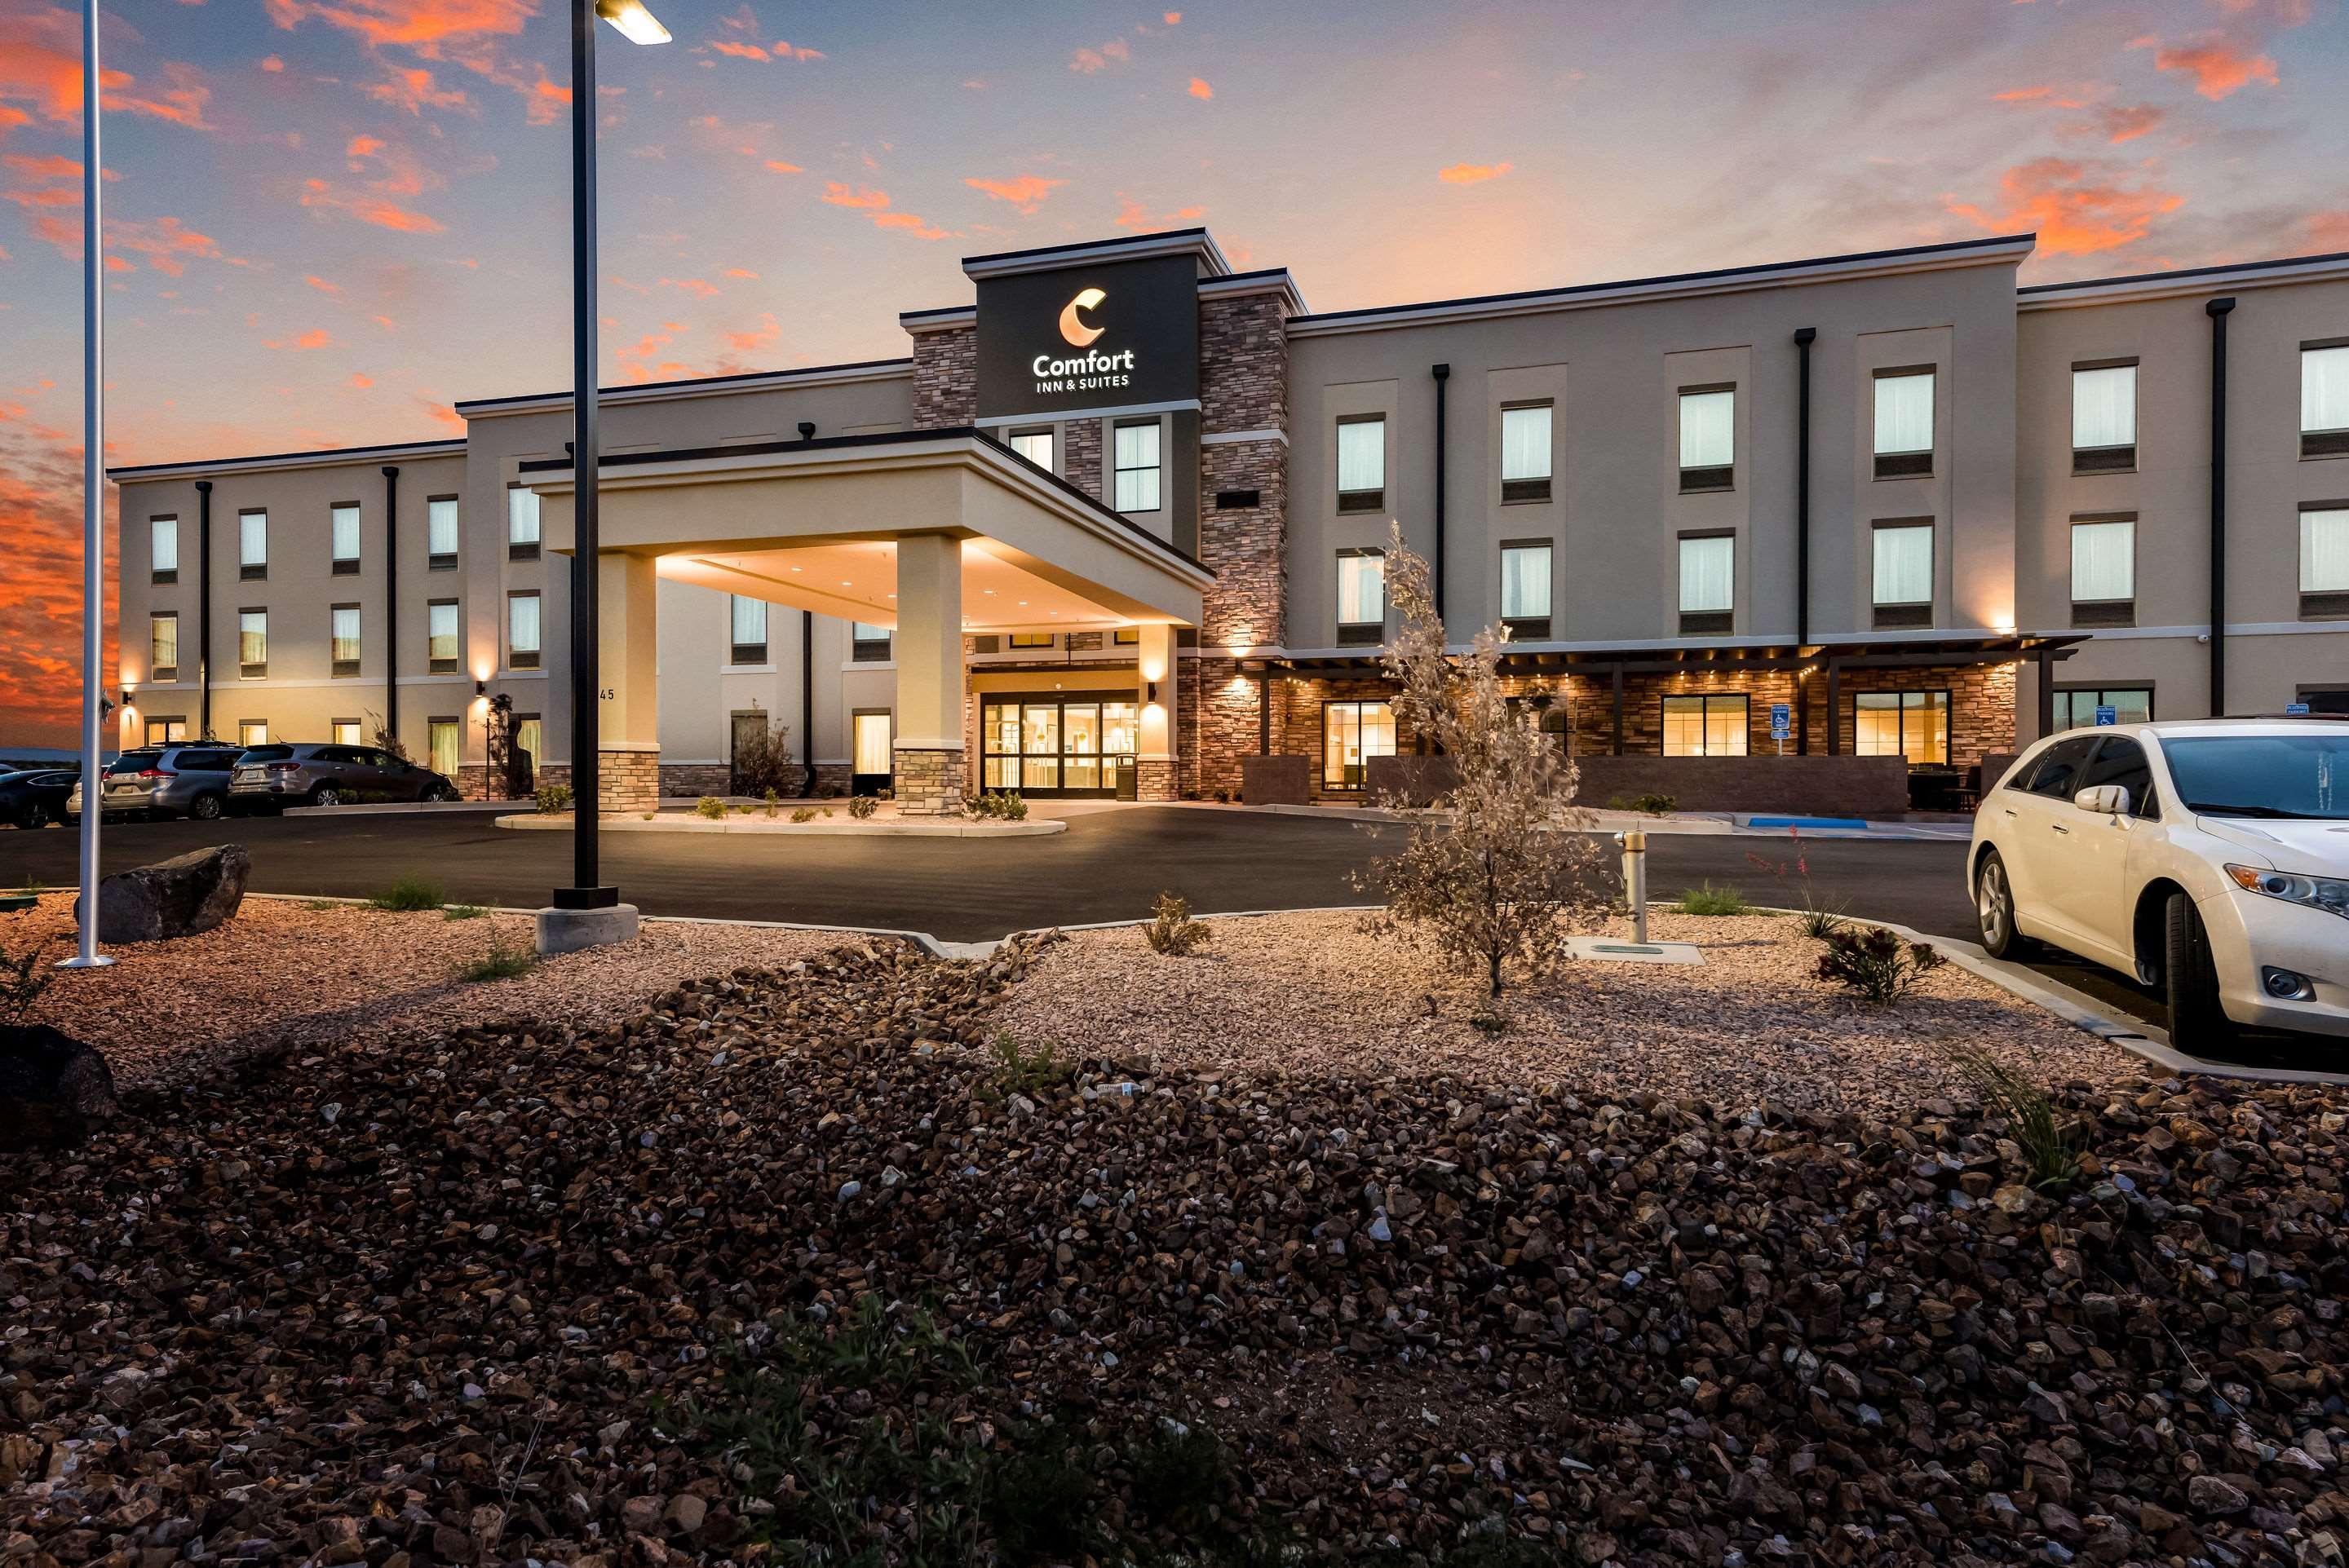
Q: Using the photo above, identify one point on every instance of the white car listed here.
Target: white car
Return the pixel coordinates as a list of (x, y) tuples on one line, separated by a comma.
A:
[(2206, 857)]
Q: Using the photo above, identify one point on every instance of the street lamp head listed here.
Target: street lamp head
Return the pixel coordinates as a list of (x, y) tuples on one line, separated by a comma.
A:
[(636, 24)]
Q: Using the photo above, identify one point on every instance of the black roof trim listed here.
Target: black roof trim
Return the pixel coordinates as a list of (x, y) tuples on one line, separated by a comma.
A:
[(1085, 245), (454, 443), (934, 310), (1571, 289), (2229, 268), (602, 392), (1241, 277)]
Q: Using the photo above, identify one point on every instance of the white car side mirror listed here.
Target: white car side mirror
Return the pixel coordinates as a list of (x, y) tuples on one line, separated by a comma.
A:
[(2107, 799)]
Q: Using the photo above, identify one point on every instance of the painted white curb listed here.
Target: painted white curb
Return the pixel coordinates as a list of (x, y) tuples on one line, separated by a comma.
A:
[(878, 828)]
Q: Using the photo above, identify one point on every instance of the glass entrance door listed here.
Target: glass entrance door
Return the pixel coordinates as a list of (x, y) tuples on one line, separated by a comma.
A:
[(1056, 744)]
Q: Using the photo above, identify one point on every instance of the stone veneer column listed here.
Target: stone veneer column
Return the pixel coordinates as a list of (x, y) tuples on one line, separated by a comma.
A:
[(628, 744), (1158, 689), (945, 378), (926, 764)]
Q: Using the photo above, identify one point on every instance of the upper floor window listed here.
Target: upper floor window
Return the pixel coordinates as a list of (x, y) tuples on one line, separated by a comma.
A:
[(1708, 437), (1137, 467), (343, 522), (1126, 637), (1904, 572), (440, 653), (252, 545), (2324, 560), (1362, 596), (2103, 572), (1708, 583), (2324, 399), (747, 640), (163, 548), (1525, 588), (521, 524), (441, 532), (1525, 452), (252, 644), (1904, 424), (1029, 640), (522, 630), (1362, 463), (868, 643), (2104, 419), (164, 646), (1036, 445), (344, 636)]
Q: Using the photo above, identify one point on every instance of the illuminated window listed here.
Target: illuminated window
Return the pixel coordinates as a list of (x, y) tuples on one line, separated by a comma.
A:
[(251, 732), (1029, 640), (521, 631), (1712, 725), (1362, 463), (445, 736), (521, 524), (2104, 419), (440, 653), (343, 634), (343, 526), (1910, 723), (1351, 734), (1036, 445), (1904, 424), (1526, 453), (1136, 476), (872, 742), (163, 729), (440, 532), (164, 646), (1361, 597), (252, 644), (163, 548), (344, 732), (1708, 437)]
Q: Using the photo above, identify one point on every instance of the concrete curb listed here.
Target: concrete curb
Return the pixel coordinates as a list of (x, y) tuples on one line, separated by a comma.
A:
[(921, 939), (893, 828), (398, 808)]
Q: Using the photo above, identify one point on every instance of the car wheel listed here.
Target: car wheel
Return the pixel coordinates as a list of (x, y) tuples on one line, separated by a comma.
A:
[(1994, 910), (326, 795), (440, 792), (2198, 1024), (207, 808), (36, 816)]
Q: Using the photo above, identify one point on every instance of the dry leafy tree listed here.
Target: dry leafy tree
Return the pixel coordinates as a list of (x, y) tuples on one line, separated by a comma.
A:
[(1492, 875), (763, 762)]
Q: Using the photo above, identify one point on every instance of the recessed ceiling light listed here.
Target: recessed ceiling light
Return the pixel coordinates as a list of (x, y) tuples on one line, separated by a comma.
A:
[(797, 569)]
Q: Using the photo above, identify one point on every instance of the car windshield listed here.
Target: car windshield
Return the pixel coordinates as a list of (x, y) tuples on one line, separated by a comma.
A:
[(267, 754), (2297, 776), (134, 761)]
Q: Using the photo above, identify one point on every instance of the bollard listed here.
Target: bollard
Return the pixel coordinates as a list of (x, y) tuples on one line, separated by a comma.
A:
[(1635, 879)]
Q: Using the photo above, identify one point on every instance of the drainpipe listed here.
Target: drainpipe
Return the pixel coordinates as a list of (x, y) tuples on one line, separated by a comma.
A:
[(1443, 374), (204, 608), (2217, 310), (807, 699), (392, 601), (1803, 337)]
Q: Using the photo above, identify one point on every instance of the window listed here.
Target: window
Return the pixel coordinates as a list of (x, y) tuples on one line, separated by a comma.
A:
[(1904, 573), (521, 524), (530, 738), (163, 729), (523, 631), (1525, 588), (2324, 560), (1708, 437), (2075, 707), (2104, 419), (251, 732), (440, 653), (1904, 424), (871, 743), (1525, 453), (1709, 725), (1910, 723), (445, 736), (1126, 637), (1708, 583), (344, 631), (163, 548), (1029, 640), (1351, 734), (1036, 445), (164, 646), (1362, 463), (1361, 597), (344, 731), (252, 644), (440, 532), (2324, 400), (748, 639), (1136, 478), (251, 546), (2057, 766), (2103, 572), (2122, 761), (870, 644), (343, 526)]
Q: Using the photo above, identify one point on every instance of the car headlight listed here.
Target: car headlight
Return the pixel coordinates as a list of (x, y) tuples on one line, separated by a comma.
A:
[(2330, 895)]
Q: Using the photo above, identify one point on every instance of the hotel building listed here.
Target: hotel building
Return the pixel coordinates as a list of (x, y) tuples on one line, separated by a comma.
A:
[(1117, 523)]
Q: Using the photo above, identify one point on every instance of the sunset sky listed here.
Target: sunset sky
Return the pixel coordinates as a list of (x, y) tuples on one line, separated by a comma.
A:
[(327, 220)]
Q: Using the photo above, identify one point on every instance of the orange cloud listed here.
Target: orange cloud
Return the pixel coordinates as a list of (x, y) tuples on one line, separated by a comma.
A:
[(1023, 192), (752, 340), (546, 102), (442, 415), (2074, 211), (317, 337), (272, 65), (363, 147), (2329, 230), (1088, 61), (2126, 122), (840, 195), (1173, 18), (427, 26), (738, 273), (321, 285), (782, 167), (414, 91), (182, 102), (700, 288), (740, 51), (369, 210), (920, 228), (1133, 214), (2049, 93), (1200, 89), (2219, 66), (787, 50), (1473, 173), (360, 381)]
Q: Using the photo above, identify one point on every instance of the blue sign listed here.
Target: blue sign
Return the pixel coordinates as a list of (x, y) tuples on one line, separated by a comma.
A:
[(2295, 709), (1781, 720), (2107, 714)]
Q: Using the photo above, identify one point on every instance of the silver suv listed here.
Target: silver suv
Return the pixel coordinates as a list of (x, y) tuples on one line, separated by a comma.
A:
[(178, 781), (313, 773)]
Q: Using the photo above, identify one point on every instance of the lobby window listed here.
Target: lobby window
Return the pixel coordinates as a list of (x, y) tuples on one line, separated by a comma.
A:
[(251, 546), (1029, 640), (441, 637), (440, 532), (445, 736), (2075, 707), (1525, 453), (523, 631), (1709, 725), (163, 548), (2325, 562), (1136, 476), (2324, 399), (1125, 637), (251, 732), (1904, 573), (1351, 734), (1525, 588), (2103, 572), (1708, 583), (344, 635), (164, 728), (344, 732), (1904, 424), (343, 532), (868, 643), (1036, 445), (2104, 419), (521, 524), (1361, 598), (1362, 463), (747, 640), (873, 729), (530, 738), (164, 646), (252, 644), (1708, 439), (1910, 723)]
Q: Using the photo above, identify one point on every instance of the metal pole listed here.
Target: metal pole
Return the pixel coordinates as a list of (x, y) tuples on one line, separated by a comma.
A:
[(1635, 879), (93, 497)]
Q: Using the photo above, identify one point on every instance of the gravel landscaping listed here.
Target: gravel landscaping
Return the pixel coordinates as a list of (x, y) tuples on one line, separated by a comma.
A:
[(1311, 993)]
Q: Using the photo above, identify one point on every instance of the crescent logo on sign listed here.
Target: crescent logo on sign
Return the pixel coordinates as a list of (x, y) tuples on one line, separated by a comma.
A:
[(1072, 326)]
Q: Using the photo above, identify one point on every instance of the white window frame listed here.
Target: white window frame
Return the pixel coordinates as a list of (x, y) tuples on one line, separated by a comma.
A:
[(1889, 419), (155, 664), (1362, 566), (252, 541), (1707, 413), (2094, 397), (163, 547), (520, 656), (1536, 607), (442, 525), (1138, 486), (1361, 462), (456, 636), (2102, 528), (1887, 594), (1692, 573), (340, 515), (1528, 455)]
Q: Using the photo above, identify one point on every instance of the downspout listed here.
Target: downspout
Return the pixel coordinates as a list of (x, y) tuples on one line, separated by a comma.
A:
[(1803, 337), (391, 603), (205, 609), (1443, 374), (807, 700), (2217, 310)]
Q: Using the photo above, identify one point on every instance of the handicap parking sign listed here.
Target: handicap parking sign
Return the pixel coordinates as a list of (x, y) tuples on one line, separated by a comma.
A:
[(2295, 709), (2108, 714), (1781, 720)]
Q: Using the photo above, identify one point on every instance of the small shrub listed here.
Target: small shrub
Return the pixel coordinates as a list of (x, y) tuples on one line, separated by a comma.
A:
[(1711, 899), (711, 808), (762, 760), (411, 893), (1656, 805), (2030, 1116), (500, 962), (1025, 1072), (1873, 964), (553, 799), (1041, 1506), (1180, 1476), (1006, 806), (774, 802), (803, 814), (862, 807), (1172, 930), (321, 905), (1821, 921), (23, 977), (463, 912)]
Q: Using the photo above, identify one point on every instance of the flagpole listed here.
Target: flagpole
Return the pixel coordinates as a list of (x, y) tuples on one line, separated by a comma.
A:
[(93, 496)]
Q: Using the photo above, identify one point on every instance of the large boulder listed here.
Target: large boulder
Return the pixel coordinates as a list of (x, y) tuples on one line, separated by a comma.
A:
[(53, 1089), (184, 896)]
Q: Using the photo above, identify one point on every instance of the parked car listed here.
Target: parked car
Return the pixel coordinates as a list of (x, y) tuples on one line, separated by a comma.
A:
[(313, 773), (2208, 857), (181, 779), (35, 797)]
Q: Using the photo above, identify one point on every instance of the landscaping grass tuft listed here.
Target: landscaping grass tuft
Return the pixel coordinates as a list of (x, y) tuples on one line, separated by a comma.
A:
[(1711, 900), (463, 912), (411, 893), (321, 905), (500, 962)]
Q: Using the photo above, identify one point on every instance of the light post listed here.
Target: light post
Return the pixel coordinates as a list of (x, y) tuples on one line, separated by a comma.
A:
[(93, 498), (638, 26)]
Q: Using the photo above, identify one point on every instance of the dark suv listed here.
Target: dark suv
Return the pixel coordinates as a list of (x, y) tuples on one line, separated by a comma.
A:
[(188, 780), (311, 773)]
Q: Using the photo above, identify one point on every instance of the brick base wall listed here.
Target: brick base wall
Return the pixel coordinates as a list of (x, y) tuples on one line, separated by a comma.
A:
[(928, 783), (683, 780), (627, 782), (1154, 780), (1796, 786)]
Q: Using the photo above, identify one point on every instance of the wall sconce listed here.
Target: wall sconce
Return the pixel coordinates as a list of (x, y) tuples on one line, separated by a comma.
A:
[(480, 688), (1153, 691)]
